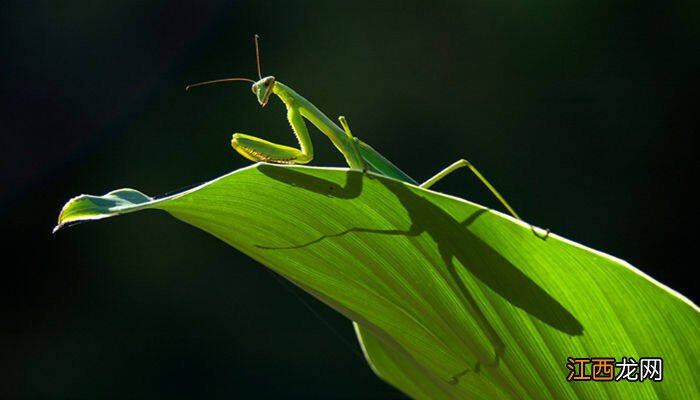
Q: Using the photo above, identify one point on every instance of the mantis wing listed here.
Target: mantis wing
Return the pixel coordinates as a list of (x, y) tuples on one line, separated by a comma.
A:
[(379, 164)]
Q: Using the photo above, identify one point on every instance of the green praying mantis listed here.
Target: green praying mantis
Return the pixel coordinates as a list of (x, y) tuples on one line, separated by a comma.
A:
[(358, 154)]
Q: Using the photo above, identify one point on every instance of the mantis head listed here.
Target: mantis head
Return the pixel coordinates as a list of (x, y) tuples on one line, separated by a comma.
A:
[(263, 89)]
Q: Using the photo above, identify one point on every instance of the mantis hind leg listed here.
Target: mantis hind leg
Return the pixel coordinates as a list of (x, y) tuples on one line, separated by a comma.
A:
[(256, 149), (464, 163)]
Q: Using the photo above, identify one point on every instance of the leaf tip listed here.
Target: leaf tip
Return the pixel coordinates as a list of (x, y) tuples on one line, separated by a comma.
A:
[(87, 207)]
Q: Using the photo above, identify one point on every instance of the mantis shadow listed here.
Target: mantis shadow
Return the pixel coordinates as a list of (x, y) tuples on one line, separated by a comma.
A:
[(454, 241)]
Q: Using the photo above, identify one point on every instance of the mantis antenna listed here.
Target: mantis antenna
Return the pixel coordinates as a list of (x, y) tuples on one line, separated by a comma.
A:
[(218, 81), (257, 60), (257, 54)]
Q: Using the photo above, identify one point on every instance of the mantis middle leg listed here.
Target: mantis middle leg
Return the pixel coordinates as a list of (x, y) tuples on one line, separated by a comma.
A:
[(346, 128)]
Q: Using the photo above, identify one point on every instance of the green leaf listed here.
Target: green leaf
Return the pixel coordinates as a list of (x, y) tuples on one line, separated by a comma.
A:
[(450, 300)]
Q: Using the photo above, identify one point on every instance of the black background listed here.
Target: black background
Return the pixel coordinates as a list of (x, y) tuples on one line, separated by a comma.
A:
[(584, 114)]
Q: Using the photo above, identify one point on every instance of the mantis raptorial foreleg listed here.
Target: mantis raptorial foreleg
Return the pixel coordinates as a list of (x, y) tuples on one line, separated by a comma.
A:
[(256, 149), (464, 163)]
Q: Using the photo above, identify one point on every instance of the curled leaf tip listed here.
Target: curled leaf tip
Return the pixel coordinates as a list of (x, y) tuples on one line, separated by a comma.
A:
[(88, 207)]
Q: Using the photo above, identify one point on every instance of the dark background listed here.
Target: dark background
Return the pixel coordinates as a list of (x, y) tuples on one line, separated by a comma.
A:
[(583, 113)]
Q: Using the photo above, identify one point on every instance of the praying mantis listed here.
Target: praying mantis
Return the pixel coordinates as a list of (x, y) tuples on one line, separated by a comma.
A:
[(358, 154)]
